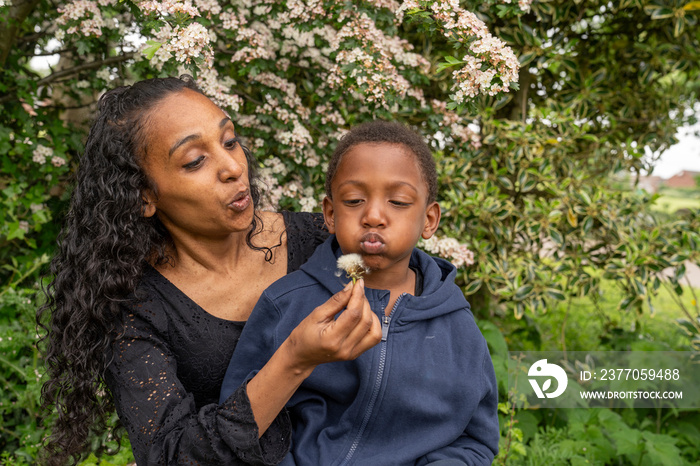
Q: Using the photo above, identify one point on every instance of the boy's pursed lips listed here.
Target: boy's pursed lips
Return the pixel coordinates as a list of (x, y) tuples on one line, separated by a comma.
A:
[(372, 243)]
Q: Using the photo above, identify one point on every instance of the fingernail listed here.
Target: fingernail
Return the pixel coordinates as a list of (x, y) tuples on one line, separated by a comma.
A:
[(362, 283), (348, 286)]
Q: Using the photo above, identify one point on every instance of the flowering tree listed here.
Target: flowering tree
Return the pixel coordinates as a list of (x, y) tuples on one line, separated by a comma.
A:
[(523, 168)]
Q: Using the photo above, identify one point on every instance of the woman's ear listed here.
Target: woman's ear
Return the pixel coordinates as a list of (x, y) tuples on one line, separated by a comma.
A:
[(328, 215), (149, 203), (432, 220)]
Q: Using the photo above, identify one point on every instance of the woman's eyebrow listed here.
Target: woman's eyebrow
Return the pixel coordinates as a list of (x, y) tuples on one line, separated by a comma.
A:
[(191, 137), (182, 141)]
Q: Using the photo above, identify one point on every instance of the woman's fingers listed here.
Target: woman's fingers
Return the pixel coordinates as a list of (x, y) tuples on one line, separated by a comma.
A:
[(322, 338), (366, 330), (357, 328), (339, 301)]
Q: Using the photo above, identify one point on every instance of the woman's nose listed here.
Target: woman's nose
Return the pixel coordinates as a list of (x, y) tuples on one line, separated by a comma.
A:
[(233, 166)]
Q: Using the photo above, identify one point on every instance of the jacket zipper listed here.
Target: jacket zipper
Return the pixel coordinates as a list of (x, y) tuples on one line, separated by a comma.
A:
[(386, 320)]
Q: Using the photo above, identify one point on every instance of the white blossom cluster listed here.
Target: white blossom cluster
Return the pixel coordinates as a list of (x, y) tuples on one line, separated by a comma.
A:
[(169, 7), (260, 43), (85, 17), (454, 125), (374, 62), (490, 68), (524, 5), (355, 63), (42, 153), (218, 89), (272, 192), (449, 248), (211, 7)]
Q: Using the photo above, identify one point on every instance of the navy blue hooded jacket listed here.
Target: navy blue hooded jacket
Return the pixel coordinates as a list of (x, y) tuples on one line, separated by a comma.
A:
[(426, 392)]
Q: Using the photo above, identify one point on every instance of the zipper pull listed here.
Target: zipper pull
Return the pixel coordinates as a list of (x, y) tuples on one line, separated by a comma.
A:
[(385, 327)]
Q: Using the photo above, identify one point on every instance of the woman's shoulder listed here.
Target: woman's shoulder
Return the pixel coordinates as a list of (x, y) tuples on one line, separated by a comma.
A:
[(304, 221), (154, 297), (305, 231)]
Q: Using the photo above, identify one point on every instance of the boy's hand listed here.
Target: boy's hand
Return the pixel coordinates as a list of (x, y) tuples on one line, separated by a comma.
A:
[(321, 338)]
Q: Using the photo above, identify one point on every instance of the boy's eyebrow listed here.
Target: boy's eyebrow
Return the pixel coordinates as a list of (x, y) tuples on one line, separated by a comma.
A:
[(395, 184), (192, 137)]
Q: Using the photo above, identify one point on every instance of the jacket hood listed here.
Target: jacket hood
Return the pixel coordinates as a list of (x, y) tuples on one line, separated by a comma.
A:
[(440, 293)]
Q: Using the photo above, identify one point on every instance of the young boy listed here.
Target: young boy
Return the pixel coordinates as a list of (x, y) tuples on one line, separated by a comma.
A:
[(427, 392)]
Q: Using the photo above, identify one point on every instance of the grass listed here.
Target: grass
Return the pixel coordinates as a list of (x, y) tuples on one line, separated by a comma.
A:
[(671, 203), (595, 322)]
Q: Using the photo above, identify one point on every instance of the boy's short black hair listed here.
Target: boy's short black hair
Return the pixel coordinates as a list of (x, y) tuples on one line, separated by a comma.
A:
[(380, 131)]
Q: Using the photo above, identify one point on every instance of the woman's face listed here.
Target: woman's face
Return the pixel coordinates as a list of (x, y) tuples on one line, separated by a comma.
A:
[(198, 168)]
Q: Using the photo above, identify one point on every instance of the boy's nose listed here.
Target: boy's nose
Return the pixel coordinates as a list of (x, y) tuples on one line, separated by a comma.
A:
[(374, 215)]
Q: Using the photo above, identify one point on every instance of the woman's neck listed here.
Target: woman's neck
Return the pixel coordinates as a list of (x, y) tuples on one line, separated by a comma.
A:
[(208, 254), (221, 254)]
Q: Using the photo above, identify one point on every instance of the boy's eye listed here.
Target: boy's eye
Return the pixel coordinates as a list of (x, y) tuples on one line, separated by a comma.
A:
[(231, 143), (400, 203), (352, 202), (194, 164)]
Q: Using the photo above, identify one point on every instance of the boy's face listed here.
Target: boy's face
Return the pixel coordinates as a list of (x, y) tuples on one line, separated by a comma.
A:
[(380, 205)]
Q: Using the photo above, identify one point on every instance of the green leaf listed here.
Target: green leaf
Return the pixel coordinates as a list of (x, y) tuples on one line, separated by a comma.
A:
[(678, 26), (523, 292), (527, 58), (661, 449), (494, 337), (627, 441), (152, 48), (554, 293), (688, 327), (473, 287), (627, 302), (587, 225), (662, 13), (505, 181), (556, 236)]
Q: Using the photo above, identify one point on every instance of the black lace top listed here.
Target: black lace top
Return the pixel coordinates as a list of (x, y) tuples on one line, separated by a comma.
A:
[(168, 367)]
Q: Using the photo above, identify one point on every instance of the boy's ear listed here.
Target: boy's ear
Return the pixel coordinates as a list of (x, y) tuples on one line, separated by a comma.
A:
[(432, 220), (328, 215), (149, 203)]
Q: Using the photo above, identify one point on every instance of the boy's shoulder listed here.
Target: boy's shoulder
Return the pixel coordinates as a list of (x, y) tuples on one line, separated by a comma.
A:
[(290, 284)]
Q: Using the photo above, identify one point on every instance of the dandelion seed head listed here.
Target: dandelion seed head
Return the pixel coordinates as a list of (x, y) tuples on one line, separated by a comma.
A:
[(353, 265)]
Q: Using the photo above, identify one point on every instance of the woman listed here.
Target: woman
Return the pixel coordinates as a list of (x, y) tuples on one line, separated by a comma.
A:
[(160, 262)]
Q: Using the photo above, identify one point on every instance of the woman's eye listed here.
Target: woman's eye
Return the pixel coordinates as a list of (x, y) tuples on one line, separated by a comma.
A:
[(231, 143), (194, 164)]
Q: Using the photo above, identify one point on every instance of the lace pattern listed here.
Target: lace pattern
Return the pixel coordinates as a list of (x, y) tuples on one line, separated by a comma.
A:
[(168, 365)]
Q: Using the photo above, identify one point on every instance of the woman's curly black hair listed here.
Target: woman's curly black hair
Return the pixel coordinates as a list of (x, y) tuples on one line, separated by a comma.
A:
[(102, 250)]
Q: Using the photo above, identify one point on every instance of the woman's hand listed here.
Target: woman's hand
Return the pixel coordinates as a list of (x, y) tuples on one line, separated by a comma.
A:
[(322, 338), (318, 339)]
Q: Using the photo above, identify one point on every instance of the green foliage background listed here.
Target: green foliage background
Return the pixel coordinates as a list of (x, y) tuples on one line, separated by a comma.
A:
[(603, 88)]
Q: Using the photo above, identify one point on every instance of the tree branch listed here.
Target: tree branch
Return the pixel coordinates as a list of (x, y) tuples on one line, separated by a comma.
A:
[(73, 71), (18, 12), (84, 67)]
